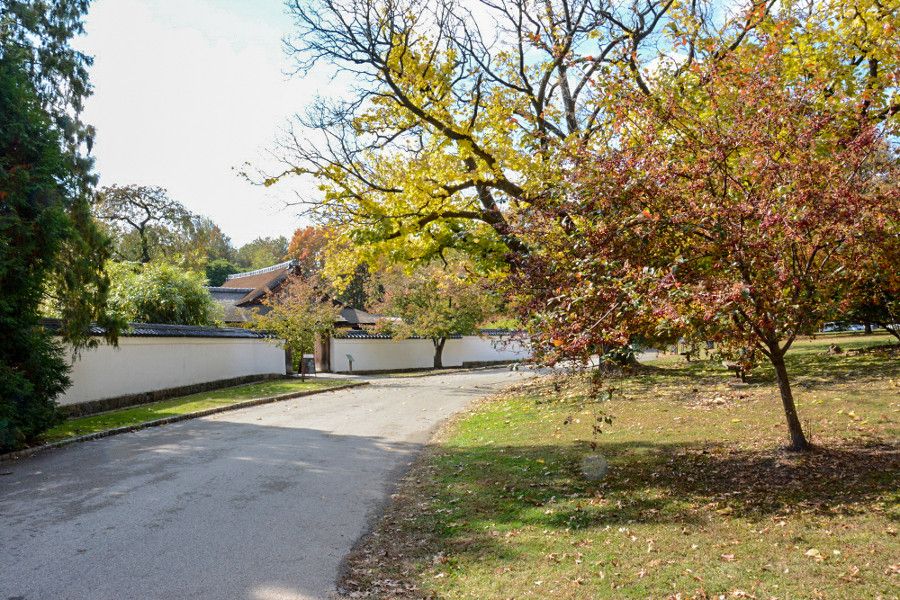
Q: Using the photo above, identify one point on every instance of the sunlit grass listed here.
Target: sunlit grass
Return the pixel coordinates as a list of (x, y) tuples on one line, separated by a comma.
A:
[(182, 405)]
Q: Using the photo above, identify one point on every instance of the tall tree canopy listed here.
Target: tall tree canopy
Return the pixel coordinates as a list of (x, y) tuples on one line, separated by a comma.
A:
[(464, 112), (207, 243), (218, 270), (524, 133), (51, 253), (148, 223), (262, 252)]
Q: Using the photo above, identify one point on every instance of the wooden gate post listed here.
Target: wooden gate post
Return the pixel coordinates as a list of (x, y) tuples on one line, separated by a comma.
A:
[(322, 353)]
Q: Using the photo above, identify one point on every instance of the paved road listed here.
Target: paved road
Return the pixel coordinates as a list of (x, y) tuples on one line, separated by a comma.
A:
[(260, 503)]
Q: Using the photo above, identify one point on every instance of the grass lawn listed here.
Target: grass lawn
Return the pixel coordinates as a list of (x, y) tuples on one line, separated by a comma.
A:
[(700, 501), (183, 405)]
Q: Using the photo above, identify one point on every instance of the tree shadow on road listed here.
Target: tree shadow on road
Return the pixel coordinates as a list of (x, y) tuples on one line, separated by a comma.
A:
[(211, 508)]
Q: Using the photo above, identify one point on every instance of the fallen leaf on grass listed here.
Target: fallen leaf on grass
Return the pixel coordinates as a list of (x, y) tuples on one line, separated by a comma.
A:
[(814, 553), (852, 575), (694, 575)]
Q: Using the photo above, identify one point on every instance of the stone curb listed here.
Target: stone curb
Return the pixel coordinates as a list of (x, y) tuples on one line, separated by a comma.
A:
[(25, 452)]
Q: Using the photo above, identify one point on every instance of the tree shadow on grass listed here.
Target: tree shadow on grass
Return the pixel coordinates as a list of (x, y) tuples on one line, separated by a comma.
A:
[(668, 482), (464, 501)]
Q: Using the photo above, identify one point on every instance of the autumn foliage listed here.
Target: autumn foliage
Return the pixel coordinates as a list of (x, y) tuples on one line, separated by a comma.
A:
[(307, 247), (297, 315), (738, 208)]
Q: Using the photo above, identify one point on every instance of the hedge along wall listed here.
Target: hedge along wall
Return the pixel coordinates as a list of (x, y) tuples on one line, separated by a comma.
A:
[(385, 354), (147, 364)]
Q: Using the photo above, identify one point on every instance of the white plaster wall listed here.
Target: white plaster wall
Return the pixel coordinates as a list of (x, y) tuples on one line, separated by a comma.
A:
[(145, 364), (473, 348), (380, 355)]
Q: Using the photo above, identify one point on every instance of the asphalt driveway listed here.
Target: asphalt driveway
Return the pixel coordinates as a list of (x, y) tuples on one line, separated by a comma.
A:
[(260, 503)]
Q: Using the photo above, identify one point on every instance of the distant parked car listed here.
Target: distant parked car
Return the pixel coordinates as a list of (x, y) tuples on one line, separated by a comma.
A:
[(857, 327), (834, 326)]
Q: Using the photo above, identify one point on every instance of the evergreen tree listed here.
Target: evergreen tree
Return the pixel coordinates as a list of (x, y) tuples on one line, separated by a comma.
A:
[(51, 252)]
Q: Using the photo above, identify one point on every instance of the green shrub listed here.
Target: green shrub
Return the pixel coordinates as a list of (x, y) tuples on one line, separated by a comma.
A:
[(160, 293)]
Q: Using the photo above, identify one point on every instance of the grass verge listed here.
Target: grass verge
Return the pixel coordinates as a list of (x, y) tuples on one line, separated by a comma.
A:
[(183, 405), (699, 501)]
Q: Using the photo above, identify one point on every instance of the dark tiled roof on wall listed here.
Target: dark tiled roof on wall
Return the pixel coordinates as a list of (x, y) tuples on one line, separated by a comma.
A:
[(362, 334), (161, 330), (164, 330)]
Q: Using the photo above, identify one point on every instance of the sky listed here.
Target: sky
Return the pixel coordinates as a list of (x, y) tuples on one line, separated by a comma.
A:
[(185, 93)]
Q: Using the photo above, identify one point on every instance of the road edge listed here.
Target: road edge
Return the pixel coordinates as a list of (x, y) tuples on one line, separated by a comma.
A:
[(436, 434), (26, 452)]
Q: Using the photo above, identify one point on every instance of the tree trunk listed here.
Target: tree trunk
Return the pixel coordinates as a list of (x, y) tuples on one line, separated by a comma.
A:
[(438, 352), (288, 362), (798, 439), (145, 245), (145, 248), (892, 329), (868, 328)]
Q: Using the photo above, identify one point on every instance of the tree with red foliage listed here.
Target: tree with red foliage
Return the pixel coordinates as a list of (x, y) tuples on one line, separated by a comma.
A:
[(307, 247), (737, 208)]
